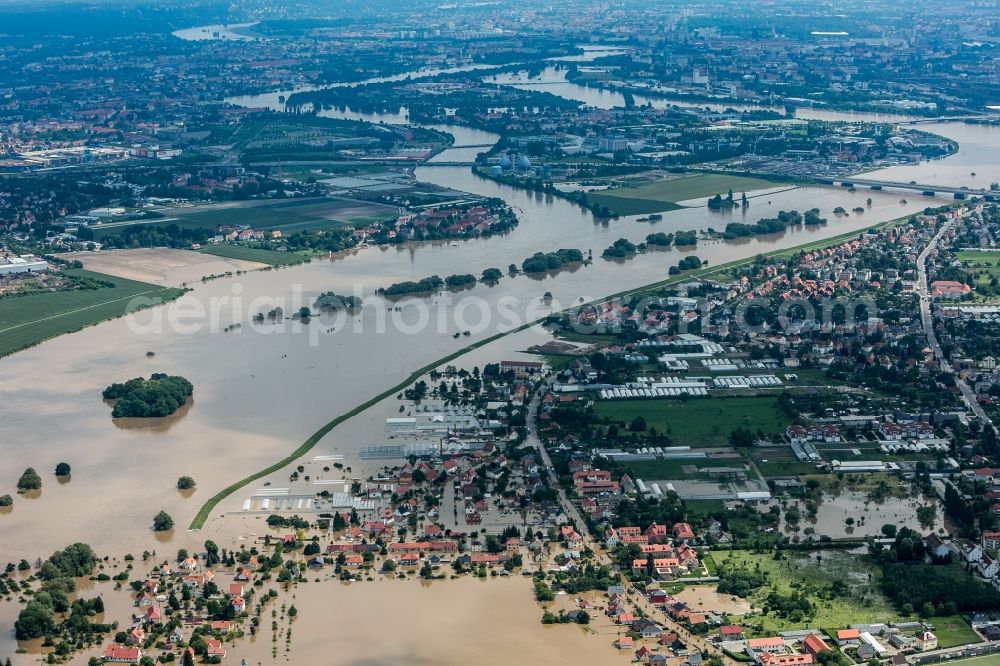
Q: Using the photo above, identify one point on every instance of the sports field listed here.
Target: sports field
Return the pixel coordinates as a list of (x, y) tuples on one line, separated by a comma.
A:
[(699, 422), (28, 320), (663, 195)]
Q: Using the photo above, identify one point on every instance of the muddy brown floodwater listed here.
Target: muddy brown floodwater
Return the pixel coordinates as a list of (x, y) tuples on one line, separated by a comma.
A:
[(440, 623)]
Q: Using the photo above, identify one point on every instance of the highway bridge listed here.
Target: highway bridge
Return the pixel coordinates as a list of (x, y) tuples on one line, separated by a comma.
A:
[(924, 189)]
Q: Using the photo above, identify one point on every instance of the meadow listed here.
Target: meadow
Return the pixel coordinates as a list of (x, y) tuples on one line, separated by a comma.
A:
[(269, 257), (662, 196), (28, 320), (699, 422), (813, 574)]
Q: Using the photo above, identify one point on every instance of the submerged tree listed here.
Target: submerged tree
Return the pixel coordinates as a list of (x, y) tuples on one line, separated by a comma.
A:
[(29, 480), (163, 522)]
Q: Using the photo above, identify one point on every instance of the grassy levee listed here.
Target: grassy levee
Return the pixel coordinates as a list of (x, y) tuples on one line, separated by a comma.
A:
[(209, 506)]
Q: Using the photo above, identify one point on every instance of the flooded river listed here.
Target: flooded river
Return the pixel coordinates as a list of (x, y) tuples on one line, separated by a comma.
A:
[(262, 390)]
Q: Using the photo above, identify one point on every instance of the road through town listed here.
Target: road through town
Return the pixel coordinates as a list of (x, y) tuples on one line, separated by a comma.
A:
[(927, 318), (635, 595)]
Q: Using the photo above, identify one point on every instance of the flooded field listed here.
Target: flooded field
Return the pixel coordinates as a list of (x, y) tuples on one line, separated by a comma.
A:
[(163, 266), (866, 515), (706, 598), (260, 390), (388, 621), (403, 622)]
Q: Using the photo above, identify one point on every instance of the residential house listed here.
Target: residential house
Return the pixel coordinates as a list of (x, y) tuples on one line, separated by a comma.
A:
[(214, 648), (646, 628), (731, 632), (988, 567), (683, 532), (935, 547), (813, 645), (926, 641), (121, 654), (772, 644), (973, 552)]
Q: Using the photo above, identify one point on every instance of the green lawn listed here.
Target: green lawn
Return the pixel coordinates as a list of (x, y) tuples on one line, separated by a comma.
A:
[(662, 196), (864, 603), (990, 259), (559, 361), (28, 320), (985, 267), (269, 257), (953, 630), (699, 422), (674, 469)]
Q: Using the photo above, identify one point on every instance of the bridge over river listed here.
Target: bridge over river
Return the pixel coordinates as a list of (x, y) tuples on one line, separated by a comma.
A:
[(925, 189)]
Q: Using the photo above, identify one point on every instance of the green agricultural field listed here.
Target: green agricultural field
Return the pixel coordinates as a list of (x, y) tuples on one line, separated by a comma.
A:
[(28, 320), (269, 257), (864, 603), (287, 215), (663, 195), (699, 422), (669, 470)]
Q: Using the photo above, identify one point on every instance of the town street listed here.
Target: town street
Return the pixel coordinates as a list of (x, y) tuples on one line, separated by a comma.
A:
[(636, 596), (927, 319)]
